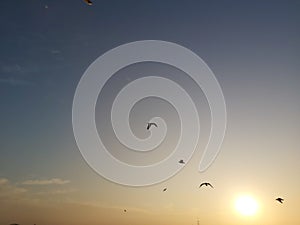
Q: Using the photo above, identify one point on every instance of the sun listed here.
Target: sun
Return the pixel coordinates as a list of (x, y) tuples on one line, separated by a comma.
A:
[(246, 205)]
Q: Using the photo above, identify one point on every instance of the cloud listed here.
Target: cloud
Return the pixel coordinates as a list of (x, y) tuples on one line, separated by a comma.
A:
[(61, 192), (57, 192), (3, 181), (17, 75), (46, 182), (11, 68), (55, 51), (16, 82), (8, 190), (18, 69), (15, 194)]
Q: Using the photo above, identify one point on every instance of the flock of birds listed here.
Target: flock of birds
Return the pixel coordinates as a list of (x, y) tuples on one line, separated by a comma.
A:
[(181, 161)]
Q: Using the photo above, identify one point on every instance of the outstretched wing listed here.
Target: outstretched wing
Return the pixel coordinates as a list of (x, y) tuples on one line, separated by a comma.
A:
[(89, 2), (150, 124), (280, 200)]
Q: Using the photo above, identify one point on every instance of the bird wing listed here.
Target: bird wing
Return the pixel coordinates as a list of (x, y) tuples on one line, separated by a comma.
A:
[(88, 2), (201, 185), (210, 185)]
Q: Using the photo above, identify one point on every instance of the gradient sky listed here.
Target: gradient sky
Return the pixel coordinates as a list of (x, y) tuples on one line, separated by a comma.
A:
[(253, 49)]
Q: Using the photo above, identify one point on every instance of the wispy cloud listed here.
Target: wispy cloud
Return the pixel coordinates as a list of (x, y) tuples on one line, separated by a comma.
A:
[(56, 181), (3, 181), (15, 68), (18, 69), (15, 82), (15, 194), (54, 51), (8, 190), (101, 206), (57, 192), (17, 75)]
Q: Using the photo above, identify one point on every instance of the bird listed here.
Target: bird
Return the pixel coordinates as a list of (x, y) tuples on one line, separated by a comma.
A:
[(150, 124), (280, 200), (181, 161), (164, 189), (206, 184), (89, 2), (125, 210)]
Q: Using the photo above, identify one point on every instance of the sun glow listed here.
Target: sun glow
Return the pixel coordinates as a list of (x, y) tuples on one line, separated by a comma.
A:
[(246, 205)]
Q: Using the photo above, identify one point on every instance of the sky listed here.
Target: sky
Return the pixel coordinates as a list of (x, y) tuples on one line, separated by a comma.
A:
[(253, 49)]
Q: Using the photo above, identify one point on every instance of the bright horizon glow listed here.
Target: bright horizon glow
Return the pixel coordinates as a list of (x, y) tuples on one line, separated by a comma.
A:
[(246, 205)]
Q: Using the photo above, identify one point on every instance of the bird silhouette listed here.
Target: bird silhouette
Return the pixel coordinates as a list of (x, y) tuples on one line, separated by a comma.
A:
[(125, 210), (89, 2), (164, 189), (181, 161), (151, 124), (206, 184), (280, 200)]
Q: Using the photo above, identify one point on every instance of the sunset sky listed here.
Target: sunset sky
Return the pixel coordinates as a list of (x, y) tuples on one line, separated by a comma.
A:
[(252, 47)]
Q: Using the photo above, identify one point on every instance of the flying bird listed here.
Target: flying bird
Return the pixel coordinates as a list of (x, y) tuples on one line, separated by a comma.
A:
[(89, 2), (125, 210), (280, 200), (151, 124), (206, 184), (181, 161), (164, 189)]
